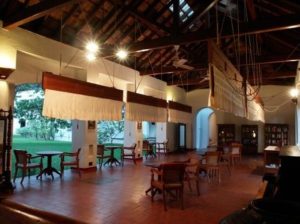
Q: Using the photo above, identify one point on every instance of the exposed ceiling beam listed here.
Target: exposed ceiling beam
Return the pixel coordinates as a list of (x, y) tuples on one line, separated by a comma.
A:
[(259, 60), (184, 82), (171, 69), (34, 12), (266, 78), (272, 24)]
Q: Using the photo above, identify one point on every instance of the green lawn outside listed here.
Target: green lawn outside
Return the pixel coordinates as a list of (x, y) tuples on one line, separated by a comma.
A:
[(32, 146)]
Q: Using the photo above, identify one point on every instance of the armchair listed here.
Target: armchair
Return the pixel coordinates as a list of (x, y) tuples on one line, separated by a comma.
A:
[(23, 161), (101, 155), (148, 149), (235, 153), (211, 165), (167, 178), (128, 152), (162, 147), (70, 159), (192, 172)]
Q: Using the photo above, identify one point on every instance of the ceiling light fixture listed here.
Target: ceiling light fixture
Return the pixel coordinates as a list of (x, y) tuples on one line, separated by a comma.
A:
[(122, 54), (90, 56), (92, 49), (92, 46)]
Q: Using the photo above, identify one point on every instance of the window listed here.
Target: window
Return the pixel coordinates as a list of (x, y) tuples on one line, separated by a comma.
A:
[(185, 10)]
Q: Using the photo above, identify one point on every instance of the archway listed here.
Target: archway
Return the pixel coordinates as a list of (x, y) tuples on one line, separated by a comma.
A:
[(205, 128)]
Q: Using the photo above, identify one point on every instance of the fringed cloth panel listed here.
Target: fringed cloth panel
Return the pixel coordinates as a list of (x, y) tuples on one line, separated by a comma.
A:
[(64, 105), (142, 112), (177, 116)]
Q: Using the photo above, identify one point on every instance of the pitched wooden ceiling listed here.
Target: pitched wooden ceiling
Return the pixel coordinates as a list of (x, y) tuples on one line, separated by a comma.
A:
[(168, 38)]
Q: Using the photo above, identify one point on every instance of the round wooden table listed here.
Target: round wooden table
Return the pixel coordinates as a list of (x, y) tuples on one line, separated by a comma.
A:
[(49, 169)]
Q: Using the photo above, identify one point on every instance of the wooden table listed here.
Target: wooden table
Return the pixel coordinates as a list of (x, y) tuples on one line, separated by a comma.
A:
[(49, 169), (112, 160)]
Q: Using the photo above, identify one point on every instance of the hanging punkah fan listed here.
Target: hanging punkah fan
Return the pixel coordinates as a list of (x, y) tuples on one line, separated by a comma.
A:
[(229, 92), (179, 113), (67, 98), (145, 108)]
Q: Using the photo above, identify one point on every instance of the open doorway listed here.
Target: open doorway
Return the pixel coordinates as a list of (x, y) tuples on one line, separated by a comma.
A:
[(205, 132), (149, 131)]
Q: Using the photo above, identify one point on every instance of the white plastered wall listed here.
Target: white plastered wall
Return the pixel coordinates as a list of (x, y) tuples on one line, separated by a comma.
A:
[(271, 95)]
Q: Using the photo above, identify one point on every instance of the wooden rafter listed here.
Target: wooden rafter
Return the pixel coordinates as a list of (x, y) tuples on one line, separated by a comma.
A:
[(34, 12), (270, 25), (272, 59), (204, 79)]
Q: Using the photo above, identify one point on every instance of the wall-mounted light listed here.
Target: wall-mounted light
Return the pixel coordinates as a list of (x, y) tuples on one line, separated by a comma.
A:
[(8, 58), (294, 94)]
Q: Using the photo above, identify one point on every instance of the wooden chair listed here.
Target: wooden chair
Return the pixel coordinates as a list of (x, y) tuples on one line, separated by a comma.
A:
[(23, 161), (101, 155), (162, 147), (192, 172), (70, 159), (167, 178), (148, 149), (128, 152), (235, 153), (210, 164)]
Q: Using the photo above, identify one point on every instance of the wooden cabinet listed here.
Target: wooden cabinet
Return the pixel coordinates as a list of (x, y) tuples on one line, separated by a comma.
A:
[(249, 138), (226, 134), (276, 134)]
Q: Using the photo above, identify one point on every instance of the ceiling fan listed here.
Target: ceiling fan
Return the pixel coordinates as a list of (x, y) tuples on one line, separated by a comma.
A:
[(180, 62)]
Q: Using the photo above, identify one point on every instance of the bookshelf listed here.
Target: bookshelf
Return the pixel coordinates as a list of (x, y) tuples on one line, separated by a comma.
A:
[(276, 134), (249, 137), (226, 134)]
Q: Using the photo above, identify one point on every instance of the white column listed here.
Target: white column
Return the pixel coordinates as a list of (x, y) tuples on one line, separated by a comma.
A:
[(85, 137)]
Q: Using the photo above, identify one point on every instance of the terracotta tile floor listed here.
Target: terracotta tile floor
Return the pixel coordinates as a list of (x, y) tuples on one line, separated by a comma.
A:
[(117, 195)]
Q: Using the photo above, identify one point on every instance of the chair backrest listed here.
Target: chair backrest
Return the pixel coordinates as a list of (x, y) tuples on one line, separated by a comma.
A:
[(172, 172), (212, 157), (100, 149), (193, 166), (21, 156), (130, 149), (145, 144), (77, 153), (236, 148)]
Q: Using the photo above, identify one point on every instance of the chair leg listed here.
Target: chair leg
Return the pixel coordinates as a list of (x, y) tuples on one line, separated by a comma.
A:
[(190, 186), (197, 186), (181, 195), (79, 172), (23, 174), (164, 198), (61, 170), (16, 171)]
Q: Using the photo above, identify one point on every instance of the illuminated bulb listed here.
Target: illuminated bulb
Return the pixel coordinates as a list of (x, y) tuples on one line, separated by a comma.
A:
[(92, 47), (122, 54), (294, 92), (90, 56), (2, 76)]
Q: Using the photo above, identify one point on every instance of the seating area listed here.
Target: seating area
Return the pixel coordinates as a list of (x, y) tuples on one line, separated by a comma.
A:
[(121, 187)]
